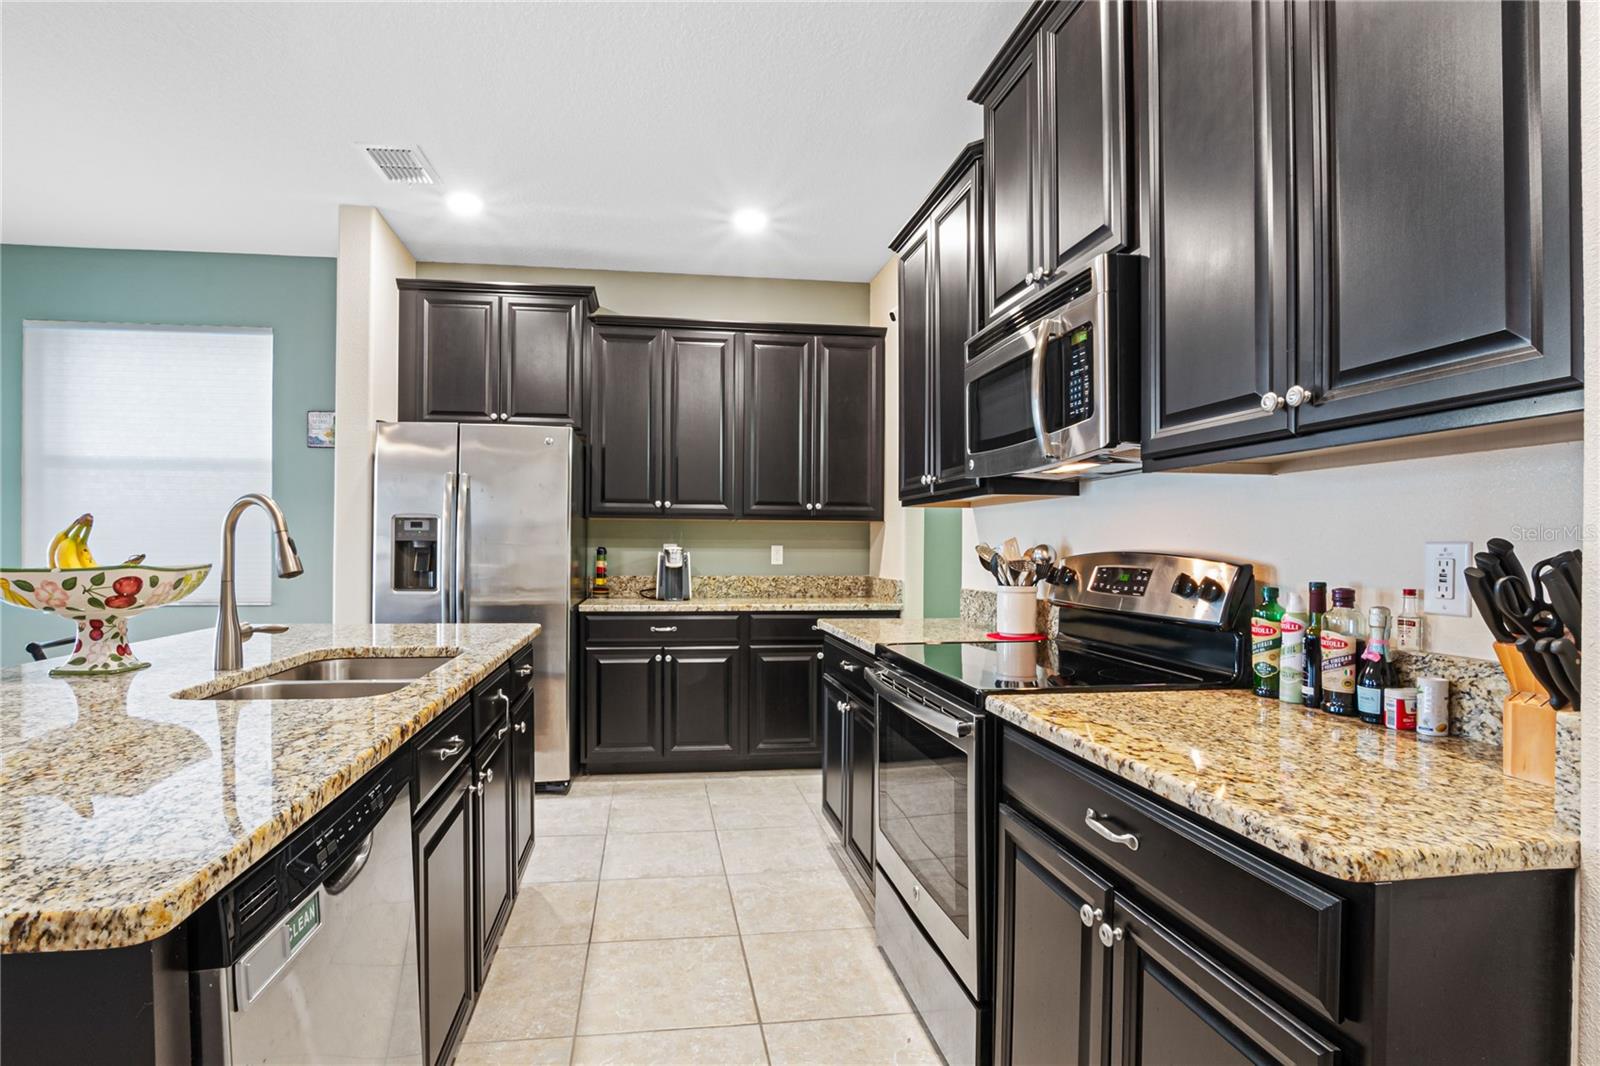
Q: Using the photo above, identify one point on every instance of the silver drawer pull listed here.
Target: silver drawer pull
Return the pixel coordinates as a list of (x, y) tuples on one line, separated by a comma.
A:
[(502, 731), (453, 746), (850, 668), (521, 727), (524, 671), (663, 629), (1102, 825)]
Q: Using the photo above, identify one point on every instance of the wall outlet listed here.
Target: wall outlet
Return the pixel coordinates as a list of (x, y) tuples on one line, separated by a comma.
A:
[(777, 555), (1444, 582)]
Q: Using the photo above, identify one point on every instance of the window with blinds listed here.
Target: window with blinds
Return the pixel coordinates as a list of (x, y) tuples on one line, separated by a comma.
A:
[(155, 430)]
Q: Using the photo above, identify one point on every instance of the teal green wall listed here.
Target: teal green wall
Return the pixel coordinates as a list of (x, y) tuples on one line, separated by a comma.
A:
[(292, 295), (720, 547), (941, 562)]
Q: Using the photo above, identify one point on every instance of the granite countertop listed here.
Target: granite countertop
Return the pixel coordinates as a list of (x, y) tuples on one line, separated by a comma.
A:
[(627, 604), (868, 633), (123, 808), (1349, 800)]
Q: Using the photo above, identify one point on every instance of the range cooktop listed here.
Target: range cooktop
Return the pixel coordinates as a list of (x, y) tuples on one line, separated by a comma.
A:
[(1033, 666)]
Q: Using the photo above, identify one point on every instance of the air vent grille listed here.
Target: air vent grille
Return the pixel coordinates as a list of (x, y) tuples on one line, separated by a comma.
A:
[(405, 165)]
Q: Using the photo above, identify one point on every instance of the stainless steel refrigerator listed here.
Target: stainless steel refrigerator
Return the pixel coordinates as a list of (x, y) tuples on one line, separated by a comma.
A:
[(483, 523)]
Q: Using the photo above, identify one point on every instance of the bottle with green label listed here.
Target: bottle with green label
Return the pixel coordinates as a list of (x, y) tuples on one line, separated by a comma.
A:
[(1266, 642), (1292, 660)]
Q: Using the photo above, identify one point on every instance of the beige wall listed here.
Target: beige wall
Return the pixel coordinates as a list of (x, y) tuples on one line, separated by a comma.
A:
[(897, 540), (366, 390), (834, 303)]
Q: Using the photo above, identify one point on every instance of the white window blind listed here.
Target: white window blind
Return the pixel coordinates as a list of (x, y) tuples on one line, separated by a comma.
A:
[(155, 430)]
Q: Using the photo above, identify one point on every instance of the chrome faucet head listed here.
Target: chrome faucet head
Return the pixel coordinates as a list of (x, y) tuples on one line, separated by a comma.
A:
[(288, 557)]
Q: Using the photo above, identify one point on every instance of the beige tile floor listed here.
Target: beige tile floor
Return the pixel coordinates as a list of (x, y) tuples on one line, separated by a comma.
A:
[(691, 919)]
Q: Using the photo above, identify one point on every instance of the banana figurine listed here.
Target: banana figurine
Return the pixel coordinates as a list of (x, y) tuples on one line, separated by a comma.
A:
[(69, 549), (12, 596)]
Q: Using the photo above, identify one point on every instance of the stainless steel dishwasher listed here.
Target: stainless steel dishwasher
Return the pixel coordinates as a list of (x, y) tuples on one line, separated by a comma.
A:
[(311, 956)]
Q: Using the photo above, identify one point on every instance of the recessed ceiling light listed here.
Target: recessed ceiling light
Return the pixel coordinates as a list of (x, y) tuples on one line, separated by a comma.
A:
[(464, 203), (749, 220)]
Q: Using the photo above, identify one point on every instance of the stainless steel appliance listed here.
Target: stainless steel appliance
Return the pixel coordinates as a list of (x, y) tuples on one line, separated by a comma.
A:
[(482, 523), (311, 956), (1128, 620), (673, 581), (1054, 392)]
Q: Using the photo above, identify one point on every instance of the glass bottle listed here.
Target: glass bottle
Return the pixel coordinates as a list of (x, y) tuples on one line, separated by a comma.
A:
[(1377, 672), (1311, 687), (1266, 642), (1292, 659), (1408, 623), (1343, 632)]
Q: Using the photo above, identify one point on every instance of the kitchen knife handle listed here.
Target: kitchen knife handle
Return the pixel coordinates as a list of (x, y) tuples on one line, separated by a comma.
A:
[(1541, 671)]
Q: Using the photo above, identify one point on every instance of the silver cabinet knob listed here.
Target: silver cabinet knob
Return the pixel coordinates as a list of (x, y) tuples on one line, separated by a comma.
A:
[(819, 655), (521, 727), (1297, 396), (658, 657), (810, 506), (1110, 936), (666, 503), (658, 503), (1090, 915), (1271, 401), (842, 706), (487, 777), (669, 658)]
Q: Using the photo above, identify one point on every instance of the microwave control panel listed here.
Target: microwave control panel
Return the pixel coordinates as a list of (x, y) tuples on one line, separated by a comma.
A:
[(1080, 373)]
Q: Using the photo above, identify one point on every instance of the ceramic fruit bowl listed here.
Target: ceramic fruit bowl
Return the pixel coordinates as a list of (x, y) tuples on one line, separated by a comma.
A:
[(100, 599)]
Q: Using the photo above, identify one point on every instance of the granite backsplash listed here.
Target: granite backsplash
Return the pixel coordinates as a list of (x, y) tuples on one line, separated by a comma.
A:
[(792, 586)]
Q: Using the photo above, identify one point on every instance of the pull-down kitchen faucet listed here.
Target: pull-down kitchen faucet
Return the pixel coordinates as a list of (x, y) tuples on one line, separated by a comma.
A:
[(230, 634)]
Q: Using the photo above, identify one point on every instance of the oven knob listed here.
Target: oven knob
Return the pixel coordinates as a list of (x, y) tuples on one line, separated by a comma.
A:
[(1185, 587), (1210, 591)]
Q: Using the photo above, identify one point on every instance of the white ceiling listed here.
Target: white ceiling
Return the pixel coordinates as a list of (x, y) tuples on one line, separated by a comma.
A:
[(615, 136)]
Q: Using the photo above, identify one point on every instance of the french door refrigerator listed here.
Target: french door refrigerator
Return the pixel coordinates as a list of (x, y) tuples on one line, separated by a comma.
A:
[(483, 523)]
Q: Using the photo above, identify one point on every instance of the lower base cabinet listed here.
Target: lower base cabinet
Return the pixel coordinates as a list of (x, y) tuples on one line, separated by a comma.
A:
[(447, 948), (850, 753), (495, 824), (785, 682), (522, 782), (862, 759), (834, 743)]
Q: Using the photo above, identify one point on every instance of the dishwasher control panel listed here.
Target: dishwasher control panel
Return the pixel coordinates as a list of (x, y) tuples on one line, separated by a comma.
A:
[(313, 860)]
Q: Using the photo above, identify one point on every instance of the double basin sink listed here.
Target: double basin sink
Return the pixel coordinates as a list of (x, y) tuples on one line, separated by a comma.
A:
[(337, 679)]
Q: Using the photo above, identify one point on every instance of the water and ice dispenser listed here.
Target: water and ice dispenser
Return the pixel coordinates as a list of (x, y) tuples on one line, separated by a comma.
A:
[(416, 553)]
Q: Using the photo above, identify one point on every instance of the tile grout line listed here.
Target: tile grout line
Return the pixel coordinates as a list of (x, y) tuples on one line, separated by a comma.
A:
[(744, 956), (588, 944)]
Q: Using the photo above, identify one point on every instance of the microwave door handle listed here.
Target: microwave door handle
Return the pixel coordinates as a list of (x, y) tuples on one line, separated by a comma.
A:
[(445, 552), (463, 547), (1047, 330), (943, 724)]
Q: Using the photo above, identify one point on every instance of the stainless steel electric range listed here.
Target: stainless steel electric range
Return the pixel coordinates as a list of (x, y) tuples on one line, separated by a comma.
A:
[(1127, 620)]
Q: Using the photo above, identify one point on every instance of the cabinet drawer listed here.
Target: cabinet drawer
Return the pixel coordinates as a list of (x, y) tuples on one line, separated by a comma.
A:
[(442, 747), (847, 667), (681, 628), (521, 682), (1284, 925), (784, 629), (492, 700)]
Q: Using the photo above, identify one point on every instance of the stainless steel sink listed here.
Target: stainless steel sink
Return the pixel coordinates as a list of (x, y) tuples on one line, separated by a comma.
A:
[(387, 668), (336, 679)]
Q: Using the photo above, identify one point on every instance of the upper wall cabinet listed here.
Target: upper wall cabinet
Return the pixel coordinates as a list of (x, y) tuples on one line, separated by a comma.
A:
[(478, 353), (1360, 222), (1055, 147)]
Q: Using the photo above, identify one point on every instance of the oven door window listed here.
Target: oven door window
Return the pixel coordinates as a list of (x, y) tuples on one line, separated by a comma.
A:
[(1000, 403), (922, 807)]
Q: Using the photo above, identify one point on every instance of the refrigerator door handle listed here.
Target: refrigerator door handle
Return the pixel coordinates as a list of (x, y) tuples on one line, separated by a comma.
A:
[(463, 547), (446, 549)]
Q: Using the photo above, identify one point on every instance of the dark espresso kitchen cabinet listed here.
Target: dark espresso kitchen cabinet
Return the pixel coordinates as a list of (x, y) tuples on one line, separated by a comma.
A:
[(850, 752), (662, 437), (1219, 279), (812, 409), (447, 956), (834, 727), (1055, 127), (861, 824), (785, 686), (494, 824), (522, 782), (703, 700), (1360, 222), (622, 703), (478, 353)]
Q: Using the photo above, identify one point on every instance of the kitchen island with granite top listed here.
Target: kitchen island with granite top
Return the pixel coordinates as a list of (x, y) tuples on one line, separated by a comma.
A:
[(129, 804)]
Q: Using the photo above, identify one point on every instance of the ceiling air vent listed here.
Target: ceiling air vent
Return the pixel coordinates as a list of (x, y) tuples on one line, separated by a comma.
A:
[(404, 164)]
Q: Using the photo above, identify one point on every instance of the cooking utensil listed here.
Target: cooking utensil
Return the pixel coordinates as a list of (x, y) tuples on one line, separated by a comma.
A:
[(1022, 572), (985, 553), (1508, 558), (1482, 590), (1523, 614), (1528, 647), (1042, 555), (1560, 595), (1492, 565), (1565, 654), (1011, 549), (1557, 672), (997, 567)]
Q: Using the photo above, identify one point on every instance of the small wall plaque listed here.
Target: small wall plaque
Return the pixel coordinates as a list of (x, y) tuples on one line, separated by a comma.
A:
[(319, 429)]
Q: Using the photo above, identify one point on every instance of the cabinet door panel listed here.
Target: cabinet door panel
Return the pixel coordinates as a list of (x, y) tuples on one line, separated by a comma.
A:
[(1218, 278), (459, 356), (622, 702), (1171, 1002), (445, 890), (784, 687), (539, 359), (522, 780), (954, 286), (1437, 193), (698, 422), (495, 825), (861, 799), (1084, 144), (834, 725), (624, 453), (1011, 154), (776, 373), (848, 437), (704, 710), (1052, 974), (915, 365)]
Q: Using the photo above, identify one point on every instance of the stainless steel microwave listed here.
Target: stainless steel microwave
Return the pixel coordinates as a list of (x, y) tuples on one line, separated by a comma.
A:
[(1056, 393)]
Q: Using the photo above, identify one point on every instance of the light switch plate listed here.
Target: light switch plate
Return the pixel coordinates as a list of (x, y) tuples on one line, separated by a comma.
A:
[(1444, 581), (777, 555)]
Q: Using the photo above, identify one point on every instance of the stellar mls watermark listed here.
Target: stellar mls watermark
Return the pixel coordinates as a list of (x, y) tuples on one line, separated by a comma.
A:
[(1572, 532)]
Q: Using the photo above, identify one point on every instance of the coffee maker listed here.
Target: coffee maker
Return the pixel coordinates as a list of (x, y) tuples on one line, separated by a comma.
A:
[(673, 581)]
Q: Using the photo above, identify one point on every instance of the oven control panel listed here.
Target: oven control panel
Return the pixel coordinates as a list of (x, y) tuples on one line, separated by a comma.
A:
[(1080, 373), (1120, 580), (1179, 588)]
